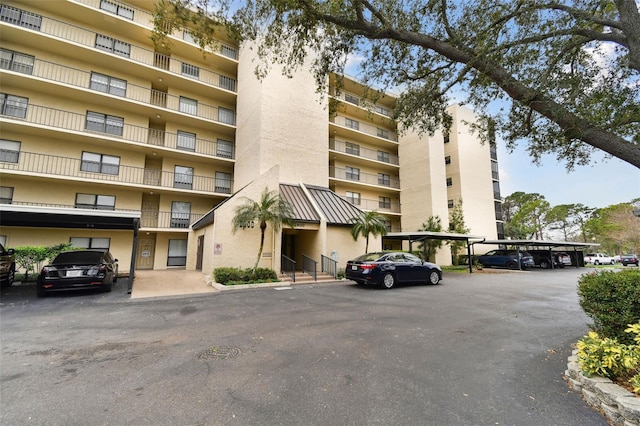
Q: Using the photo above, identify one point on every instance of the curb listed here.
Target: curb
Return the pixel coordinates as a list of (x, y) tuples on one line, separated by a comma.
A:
[(617, 404)]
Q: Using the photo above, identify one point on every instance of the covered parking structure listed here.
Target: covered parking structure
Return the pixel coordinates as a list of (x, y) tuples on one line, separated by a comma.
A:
[(522, 245), (422, 236)]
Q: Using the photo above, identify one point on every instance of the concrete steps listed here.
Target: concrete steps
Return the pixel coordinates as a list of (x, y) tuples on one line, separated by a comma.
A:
[(304, 278)]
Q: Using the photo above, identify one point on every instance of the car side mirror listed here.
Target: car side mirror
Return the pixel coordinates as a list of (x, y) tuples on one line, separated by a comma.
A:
[(10, 251)]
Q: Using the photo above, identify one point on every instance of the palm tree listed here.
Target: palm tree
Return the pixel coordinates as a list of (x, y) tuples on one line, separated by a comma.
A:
[(368, 223), (271, 208)]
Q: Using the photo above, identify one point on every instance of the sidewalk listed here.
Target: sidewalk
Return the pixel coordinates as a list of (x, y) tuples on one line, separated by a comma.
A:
[(171, 282)]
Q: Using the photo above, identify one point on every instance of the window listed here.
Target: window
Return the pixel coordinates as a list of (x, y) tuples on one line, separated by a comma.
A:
[(495, 171), (91, 243), (383, 156), (352, 173), (382, 110), (3, 240), (497, 205), (188, 37), (447, 159), (352, 124), (229, 52), (183, 177), (112, 45), (226, 116), (449, 182), (20, 17), (353, 198), (384, 179), (99, 163), (180, 214), (446, 138), (383, 133), (177, 255), (496, 190), (352, 148), (190, 70), (15, 61), (186, 141), (224, 149), (14, 106), (188, 106), (387, 224), (351, 99), (223, 182), (106, 84), (6, 194), (104, 123), (384, 202), (116, 9), (450, 204), (9, 151), (95, 202), (228, 83)]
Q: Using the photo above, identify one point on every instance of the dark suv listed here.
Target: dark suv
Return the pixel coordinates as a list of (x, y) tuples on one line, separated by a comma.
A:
[(542, 258), (7, 267), (506, 259), (629, 259)]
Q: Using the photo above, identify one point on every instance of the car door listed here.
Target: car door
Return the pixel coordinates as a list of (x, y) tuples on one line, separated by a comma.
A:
[(400, 268), (415, 271)]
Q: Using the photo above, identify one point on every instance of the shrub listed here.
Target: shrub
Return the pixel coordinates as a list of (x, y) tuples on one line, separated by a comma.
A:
[(612, 300), (235, 276), (31, 258)]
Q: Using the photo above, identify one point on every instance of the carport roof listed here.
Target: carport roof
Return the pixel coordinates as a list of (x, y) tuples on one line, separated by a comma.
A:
[(538, 243), (422, 235), (66, 217)]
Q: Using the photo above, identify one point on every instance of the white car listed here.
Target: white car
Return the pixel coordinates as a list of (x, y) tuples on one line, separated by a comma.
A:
[(598, 259)]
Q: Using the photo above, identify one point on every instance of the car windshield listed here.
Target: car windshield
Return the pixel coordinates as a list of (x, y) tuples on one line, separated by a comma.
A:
[(80, 257), (369, 257)]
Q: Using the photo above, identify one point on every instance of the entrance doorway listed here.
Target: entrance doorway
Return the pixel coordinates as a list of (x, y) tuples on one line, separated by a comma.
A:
[(146, 251), (200, 253)]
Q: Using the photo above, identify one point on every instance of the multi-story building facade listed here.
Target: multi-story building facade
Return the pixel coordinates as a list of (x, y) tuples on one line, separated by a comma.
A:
[(109, 142)]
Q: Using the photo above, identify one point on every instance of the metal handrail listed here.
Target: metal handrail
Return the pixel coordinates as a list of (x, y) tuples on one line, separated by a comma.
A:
[(366, 178), (310, 266), (329, 266), (363, 152), (288, 267)]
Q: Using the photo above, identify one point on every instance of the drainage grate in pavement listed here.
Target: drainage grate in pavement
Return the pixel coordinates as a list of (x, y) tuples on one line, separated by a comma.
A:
[(219, 352)]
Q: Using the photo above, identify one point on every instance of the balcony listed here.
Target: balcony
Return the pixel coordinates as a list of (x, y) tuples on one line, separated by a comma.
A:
[(365, 128), (46, 166), (367, 204), (74, 122), (364, 178), (83, 37), (366, 153), (362, 102)]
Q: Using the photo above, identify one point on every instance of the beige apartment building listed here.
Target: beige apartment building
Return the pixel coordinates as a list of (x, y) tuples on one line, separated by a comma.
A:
[(108, 142)]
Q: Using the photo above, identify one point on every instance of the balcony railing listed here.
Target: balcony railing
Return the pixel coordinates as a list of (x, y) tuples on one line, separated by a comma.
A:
[(368, 204), (51, 165), (67, 120), (366, 178), (365, 128), (361, 102), (78, 35), (74, 77), (369, 154)]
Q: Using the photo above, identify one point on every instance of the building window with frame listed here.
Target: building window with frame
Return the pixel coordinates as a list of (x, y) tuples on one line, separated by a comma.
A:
[(191, 71), (20, 17), (382, 110), (9, 151), (13, 106), (383, 133), (224, 148), (384, 202), (449, 182), (446, 138), (447, 159), (352, 173), (353, 198), (177, 255), (104, 123), (387, 224), (95, 201), (352, 99), (18, 62), (6, 194), (227, 83), (112, 45), (188, 105), (100, 163), (106, 84), (352, 148), (180, 214), (183, 177), (352, 124), (384, 156), (450, 204), (384, 179), (90, 243), (223, 182), (186, 141), (226, 116), (117, 9)]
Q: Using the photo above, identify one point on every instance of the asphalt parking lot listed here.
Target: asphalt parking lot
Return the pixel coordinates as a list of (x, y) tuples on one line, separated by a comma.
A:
[(480, 349)]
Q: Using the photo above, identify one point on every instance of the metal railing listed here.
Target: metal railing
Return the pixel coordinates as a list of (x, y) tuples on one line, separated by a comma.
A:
[(368, 204), (84, 37), (167, 220), (72, 121), (310, 267), (365, 128), (366, 178), (360, 101), (288, 267), (362, 152), (51, 165), (329, 266)]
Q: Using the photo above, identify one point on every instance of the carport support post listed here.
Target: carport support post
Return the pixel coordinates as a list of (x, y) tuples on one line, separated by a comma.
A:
[(469, 257), (134, 253)]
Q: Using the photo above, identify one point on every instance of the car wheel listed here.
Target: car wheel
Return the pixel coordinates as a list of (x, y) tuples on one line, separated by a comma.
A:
[(613, 262), (40, 292), (544, 264), (624, 263), (10, 277), (434, 277), (388, 280), (512, 265), (596, 262)]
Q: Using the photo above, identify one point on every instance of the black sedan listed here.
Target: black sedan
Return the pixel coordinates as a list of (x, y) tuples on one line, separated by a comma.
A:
[(78, 270), (388, 268)]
